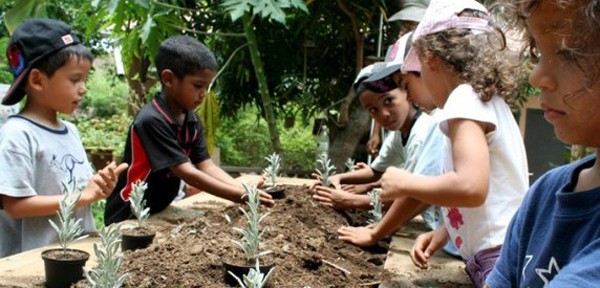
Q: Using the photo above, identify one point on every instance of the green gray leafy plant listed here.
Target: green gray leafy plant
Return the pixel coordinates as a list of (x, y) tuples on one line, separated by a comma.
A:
[(377, 210), (327, 169), (350, 164), (251, 234), (254, 278), (138, 204), (68, 228), (272, 171), (106, 274)]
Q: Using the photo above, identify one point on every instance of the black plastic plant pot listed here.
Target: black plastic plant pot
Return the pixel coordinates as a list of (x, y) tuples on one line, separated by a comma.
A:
[(136, 238), (63, 269), (277, 192), (241, 270)]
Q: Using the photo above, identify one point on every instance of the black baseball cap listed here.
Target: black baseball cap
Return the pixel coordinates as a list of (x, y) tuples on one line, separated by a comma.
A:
[(33, 40)]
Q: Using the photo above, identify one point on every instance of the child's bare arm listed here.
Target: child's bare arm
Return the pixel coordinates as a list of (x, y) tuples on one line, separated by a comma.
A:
[(465, 186), (226, 187), (99, 187)]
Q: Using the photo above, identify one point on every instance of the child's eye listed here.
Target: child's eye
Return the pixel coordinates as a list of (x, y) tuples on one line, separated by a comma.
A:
[(388, 100), (567, 54), (372, 110)]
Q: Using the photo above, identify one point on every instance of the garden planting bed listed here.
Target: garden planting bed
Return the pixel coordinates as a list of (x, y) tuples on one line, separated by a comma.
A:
[(300, 232)]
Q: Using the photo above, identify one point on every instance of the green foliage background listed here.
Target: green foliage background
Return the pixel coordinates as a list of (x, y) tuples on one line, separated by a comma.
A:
[(244, 141)]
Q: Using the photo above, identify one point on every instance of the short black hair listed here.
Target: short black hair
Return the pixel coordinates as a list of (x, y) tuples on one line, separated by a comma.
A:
[(52, 62), (184, 55)]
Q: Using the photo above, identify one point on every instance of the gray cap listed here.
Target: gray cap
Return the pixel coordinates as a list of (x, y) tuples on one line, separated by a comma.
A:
[(395, 59), (412, 10), (367, 72)]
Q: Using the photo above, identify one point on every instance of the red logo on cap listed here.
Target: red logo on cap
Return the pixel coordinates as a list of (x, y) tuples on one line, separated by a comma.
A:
[(15, 59), (67, 39)]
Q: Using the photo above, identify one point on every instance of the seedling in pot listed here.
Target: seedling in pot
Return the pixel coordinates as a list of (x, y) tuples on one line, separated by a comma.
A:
[(140, 236), (327, 169), (251, 239), (105, 275), (138, 204), (251, 234), (377, 211), (64, 266), (254, 278), (70, 227), (271, 173)]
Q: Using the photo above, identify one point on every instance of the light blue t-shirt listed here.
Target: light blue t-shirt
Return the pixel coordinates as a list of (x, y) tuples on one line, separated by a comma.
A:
[(36, 160)]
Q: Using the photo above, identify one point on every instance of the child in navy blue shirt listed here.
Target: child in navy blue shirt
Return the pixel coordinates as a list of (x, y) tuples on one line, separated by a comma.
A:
[(165, 143), (554, 239)]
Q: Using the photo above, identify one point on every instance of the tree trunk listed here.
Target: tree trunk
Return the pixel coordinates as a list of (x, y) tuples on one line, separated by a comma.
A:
[(263, 88), (345, 138)]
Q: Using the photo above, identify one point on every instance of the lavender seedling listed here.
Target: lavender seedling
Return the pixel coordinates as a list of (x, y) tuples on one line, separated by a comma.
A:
[(138, 204), (70, 227), (377, 211), (254, 278), (350, 164), (251, 234), (109, 260), (272, 170), (327, 169)]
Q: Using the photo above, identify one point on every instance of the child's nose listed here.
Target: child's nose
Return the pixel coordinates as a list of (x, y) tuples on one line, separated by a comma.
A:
[(540, 78)]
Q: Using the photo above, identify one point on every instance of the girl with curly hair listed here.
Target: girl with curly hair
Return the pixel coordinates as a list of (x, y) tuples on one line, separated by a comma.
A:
[(468, 74)]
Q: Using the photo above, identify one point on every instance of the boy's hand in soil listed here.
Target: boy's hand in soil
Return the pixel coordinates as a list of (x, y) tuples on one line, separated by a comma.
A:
[(334, 180), (102, 183), (359, 236), (335, 198), (266, 199), (426, 244)]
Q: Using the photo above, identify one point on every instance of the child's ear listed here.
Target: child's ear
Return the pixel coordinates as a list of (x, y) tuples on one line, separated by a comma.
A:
[(433, 63), (167, 77), (36, 79)]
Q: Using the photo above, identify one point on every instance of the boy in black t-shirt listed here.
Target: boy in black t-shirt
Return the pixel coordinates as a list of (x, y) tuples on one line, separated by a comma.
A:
[(165, 143)]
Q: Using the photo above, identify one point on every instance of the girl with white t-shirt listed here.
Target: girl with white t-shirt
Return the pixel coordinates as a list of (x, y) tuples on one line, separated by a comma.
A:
[(485, 167)]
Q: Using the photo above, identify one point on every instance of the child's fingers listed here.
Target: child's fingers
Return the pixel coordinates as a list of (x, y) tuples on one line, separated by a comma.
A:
[(266, 199), (323, 200), (418, 253)]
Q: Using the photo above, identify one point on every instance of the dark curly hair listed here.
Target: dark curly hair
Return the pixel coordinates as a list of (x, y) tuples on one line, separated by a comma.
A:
[(480, 60), (583, 44)]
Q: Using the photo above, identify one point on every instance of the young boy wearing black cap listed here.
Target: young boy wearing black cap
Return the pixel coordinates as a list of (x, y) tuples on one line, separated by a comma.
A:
[(39, 151), (165, 143)]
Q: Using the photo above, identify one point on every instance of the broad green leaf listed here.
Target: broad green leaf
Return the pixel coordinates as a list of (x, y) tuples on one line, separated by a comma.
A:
[(147, 29), (22, 10), (143, 3)]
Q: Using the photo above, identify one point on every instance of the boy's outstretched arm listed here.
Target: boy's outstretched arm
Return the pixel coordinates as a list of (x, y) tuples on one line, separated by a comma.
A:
[(212, 179), (99, 187)]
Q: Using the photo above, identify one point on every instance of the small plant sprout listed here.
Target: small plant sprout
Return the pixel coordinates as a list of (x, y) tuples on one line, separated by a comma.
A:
[(105, 275), (273, 169), (377, 211), (138, 203), (327, 169), (254, 278), (350, 164), (251, 234), (70, 227)]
